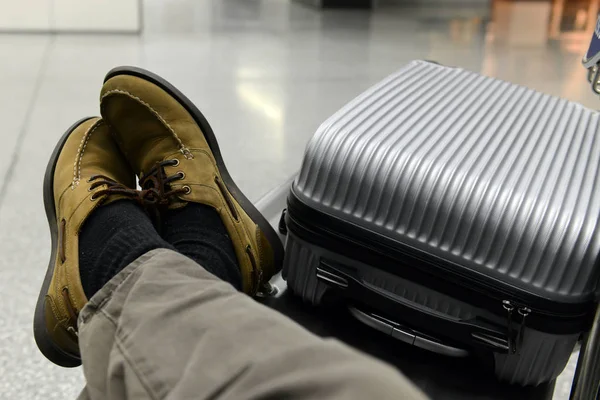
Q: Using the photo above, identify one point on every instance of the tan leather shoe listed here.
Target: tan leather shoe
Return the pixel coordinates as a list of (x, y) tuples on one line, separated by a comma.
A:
[(171, 146), (85, 171)]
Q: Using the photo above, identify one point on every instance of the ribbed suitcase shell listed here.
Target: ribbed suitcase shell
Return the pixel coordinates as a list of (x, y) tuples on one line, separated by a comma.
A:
[(495, 177)]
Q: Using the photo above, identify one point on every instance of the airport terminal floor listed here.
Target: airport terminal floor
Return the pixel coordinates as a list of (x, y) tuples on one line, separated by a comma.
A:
[(265, 73)]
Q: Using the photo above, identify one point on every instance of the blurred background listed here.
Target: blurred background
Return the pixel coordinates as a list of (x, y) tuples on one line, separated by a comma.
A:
[(265, 73)]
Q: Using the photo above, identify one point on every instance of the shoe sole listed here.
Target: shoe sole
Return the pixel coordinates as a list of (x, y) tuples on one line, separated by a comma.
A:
[(40, 331), (246, 204)]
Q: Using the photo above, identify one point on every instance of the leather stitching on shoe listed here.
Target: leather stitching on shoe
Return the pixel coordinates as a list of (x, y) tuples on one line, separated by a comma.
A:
[(81, 151)]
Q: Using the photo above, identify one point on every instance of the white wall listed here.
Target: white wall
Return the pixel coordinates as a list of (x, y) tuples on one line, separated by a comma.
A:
[(70, 15)]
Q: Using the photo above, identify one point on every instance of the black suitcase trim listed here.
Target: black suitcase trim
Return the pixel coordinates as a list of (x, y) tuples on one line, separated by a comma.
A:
[(372, 248)]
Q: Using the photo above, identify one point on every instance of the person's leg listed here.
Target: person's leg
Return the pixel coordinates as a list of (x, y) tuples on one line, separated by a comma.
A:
[(197, 231), (148, 322), (112, 238), (166, 328)]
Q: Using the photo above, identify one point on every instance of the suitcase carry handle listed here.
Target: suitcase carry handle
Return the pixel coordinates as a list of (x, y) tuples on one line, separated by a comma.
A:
[(405, 334), (473, 332)]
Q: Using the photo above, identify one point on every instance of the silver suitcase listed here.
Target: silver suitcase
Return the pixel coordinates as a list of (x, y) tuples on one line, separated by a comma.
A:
[(457, 213)]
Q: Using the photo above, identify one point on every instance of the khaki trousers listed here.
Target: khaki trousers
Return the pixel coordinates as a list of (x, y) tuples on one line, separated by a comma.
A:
[(164, 328)]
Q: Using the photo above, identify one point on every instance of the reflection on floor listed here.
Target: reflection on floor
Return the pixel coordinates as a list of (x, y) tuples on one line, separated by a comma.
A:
[(265, 73)]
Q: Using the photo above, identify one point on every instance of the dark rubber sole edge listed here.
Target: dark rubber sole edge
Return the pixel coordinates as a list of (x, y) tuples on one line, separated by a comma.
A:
[(242, 200), (46, 345)]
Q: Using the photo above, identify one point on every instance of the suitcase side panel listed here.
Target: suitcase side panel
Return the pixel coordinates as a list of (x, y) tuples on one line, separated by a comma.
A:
[(541, 358), (492, 176), (299, 259)]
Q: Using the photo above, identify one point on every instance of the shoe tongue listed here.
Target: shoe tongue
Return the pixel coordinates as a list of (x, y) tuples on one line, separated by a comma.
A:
[(101, 156), (143, 137)]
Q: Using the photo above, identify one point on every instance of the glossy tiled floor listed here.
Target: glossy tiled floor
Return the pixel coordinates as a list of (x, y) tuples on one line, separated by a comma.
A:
[(265, 73)]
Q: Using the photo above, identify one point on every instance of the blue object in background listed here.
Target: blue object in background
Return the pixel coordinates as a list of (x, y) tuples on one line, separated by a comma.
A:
[(592, 56)]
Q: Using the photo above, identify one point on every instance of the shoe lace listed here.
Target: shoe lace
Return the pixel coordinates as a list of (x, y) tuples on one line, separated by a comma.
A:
[(158, 183), (157, 191), (146, 198), (112, 187)]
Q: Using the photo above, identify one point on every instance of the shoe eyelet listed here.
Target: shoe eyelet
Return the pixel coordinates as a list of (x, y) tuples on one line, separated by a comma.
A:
[(176, 162), (90, 189), (181, 174), (187, 189), (93, 197)]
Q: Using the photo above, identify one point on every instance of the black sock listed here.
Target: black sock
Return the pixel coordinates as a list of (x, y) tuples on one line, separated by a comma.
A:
[(111, 238), (197, 231)]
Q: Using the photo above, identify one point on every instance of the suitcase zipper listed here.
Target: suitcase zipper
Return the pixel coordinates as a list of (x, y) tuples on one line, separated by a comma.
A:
[(508, 306), (515, 344), (523, 312)]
